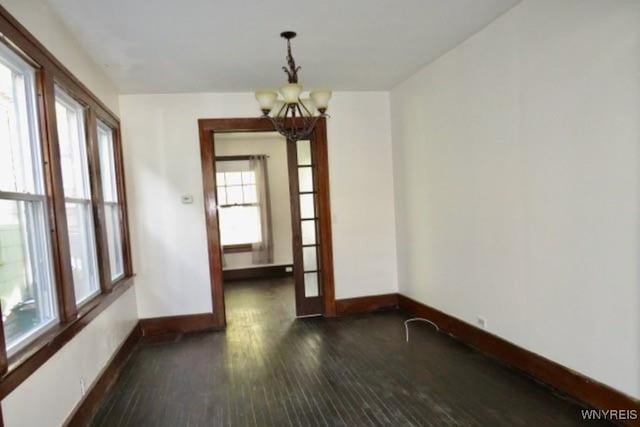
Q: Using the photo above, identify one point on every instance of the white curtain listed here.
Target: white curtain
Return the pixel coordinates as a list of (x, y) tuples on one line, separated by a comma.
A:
[(262, 252)]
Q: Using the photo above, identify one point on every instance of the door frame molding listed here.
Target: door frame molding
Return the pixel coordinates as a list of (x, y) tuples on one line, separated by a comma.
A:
[(207, 130)]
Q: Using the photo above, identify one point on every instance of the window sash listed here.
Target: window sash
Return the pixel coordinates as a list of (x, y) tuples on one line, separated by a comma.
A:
[(76, 179), (113, 227), (76, 171), (245, 188), (28, 124), (226, 226), (37, 263), (246, 181), (108, 172)]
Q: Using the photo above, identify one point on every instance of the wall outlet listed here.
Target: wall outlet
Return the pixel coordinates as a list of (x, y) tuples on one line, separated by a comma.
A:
[(83, 386), (482, 322), (288, 269)]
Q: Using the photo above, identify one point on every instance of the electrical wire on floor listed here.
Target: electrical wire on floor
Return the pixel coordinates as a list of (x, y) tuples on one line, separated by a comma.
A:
[(414, 319)]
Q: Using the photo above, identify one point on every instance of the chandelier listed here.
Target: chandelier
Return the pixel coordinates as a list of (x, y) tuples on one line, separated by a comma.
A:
[(292, 115)]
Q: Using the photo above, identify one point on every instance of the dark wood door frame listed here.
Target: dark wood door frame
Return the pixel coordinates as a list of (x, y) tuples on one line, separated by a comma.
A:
[(207, 129)]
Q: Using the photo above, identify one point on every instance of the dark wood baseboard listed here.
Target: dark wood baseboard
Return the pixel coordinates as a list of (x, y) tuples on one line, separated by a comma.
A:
[(366, 304), (565, 380), (84, 411), (253, 273), (569, 382), (179, 324)]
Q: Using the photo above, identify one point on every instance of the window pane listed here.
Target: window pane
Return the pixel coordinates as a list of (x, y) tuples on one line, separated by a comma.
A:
[(107, 163), (20, 147), (83, 253), (222, 196), (26, 285), (307, 206), (305, 179), (240, 224), (73, 153), (304, 152), (250, 195), (308, 232), (311, 285), (233, 178), (114, 240), (234, 195), (249, 177), (220, 178), (309, 260)]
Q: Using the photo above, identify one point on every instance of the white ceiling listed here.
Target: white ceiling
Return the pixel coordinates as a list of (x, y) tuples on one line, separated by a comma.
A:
[(163, 46)]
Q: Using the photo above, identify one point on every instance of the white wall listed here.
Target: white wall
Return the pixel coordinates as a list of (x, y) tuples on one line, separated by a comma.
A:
[(160, 134), (40, 19), (56, 385), (516, 180), (48, 396), (274, 146)]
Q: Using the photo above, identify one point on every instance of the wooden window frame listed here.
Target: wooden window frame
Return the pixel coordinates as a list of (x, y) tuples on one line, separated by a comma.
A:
[(234, 249), (49, 74)]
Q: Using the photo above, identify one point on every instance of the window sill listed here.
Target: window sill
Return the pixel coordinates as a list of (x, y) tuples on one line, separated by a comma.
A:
[(26, 361)]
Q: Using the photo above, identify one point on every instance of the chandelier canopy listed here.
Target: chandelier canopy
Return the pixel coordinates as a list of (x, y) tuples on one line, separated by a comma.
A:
[(293, 115)]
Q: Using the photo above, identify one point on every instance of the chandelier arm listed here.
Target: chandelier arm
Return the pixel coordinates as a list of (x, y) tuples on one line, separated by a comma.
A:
[(278, 126), (309, 114), (309, 122), (303, 129), (313, 125), (302, 124)]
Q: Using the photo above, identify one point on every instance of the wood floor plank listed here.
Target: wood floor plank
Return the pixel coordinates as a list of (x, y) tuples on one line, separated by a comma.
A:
[(268, 369)]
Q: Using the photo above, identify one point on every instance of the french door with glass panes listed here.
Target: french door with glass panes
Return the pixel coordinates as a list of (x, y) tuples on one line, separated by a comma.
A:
[(303, 185)]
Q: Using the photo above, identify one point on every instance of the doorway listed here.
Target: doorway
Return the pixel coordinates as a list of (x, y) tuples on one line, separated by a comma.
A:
[(307, 165)]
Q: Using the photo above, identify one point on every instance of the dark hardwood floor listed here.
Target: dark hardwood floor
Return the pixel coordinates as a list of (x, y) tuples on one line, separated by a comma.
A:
[(268, 369)]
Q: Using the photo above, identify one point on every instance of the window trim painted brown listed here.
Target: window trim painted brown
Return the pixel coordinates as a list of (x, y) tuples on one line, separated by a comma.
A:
[(239, 248), (49, 74)]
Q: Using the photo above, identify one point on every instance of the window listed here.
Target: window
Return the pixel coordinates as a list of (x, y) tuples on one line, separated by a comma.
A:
[(237, 197), (50, 264), (110, 197), (77, 195), (26, 280)]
